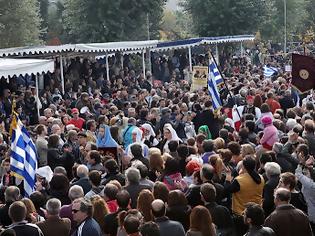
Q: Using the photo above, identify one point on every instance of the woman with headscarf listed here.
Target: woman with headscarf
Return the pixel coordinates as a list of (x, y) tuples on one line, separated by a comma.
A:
[(149, 135), (169, 135), (137, 138), (104, 138), (204, 129)]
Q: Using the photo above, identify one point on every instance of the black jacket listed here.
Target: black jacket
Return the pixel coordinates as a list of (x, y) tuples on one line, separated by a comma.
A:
[(270, 186), (180, 214), (207, 118), (260, 231)]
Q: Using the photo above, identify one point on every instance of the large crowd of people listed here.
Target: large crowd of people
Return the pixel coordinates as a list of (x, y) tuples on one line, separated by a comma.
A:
[(128, 156)]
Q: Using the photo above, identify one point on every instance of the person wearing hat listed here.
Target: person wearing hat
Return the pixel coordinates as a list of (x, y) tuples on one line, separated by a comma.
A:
[(249, 108), (76, 120), (270, 135)]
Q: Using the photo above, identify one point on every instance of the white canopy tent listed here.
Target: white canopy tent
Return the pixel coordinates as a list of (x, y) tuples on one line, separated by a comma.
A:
[(10, 67)]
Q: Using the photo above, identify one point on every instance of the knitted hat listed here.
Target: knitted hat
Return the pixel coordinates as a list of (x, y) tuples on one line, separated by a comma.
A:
[(266, 120)]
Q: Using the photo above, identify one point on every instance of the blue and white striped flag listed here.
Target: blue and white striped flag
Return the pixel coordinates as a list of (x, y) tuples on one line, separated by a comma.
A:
[(269, 71), (216, 73), (214, 80), (23, 162)]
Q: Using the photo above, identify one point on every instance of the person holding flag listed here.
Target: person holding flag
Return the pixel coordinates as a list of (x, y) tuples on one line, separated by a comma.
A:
[(23, 161)]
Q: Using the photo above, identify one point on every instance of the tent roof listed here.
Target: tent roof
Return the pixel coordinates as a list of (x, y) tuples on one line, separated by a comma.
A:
[(80, 48), (11, 67), (163, 46)]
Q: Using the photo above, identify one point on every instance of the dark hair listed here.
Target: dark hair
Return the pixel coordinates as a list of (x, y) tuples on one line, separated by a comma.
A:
[(200, 138), (265, 157), (249, 164), (38, 199), (208, 145), (111, 165), (17, 211), (264, 108), (123, 198), (172, 145), (160, 191), (53, 141), (235, 148), (131, 224), (40, 129), (254, 212), (183, 151), (95, 177), (283, 194), (303, 148), (243, 133), (207, 172), (288, 178), (150, 229), (176, 198), (89, 124), (96, 156), (144, 171), (208, 192), (250, 125), (110, 191), (136, 150), (171, 166)]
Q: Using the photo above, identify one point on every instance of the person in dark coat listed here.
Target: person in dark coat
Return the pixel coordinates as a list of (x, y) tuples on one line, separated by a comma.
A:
[(112, 173), (286, 219), (254, 217), (12, 194), (273, 171), (133, 185), (207, 117), (111, 220), (178, 208), (220, 215), (287, 101), (167, 226), (82, 173)]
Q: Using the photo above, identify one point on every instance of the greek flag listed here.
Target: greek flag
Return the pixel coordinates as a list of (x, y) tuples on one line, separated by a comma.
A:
[(23, 162), (269, 71), (214, 80), (216, 73)]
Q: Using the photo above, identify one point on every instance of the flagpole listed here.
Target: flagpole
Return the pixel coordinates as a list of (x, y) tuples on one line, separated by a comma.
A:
[(210, 54)]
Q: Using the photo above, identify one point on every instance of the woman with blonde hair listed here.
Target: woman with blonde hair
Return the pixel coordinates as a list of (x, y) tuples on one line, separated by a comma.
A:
[(247, 149), (219, 143), (144, 204), (31, 214), (201, 223), (100, 210), (219, 168)]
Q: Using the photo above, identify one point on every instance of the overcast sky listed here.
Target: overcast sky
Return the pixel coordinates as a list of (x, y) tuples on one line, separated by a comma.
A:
[(172, 4)]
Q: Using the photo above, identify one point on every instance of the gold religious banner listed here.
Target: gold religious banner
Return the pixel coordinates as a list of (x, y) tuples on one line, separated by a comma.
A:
[(199, 78)]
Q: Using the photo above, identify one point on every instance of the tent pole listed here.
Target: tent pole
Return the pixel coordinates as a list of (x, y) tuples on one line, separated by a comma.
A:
[(190, 59), (62, 76), (107, 68), (143, 63), (217, 54), (122, 60), (37, 95)]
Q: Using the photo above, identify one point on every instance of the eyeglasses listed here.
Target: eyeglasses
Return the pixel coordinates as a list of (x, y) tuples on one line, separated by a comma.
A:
[(75, 211)]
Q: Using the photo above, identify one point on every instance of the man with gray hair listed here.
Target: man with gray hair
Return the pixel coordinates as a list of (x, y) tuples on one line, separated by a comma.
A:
[(75, 192), (54, 225), (82, 173), (273, 171), (82, 211), (12, 194), (133, 185)]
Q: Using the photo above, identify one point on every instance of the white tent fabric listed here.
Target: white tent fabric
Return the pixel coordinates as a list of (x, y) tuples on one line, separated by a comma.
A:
[(116, 46), (87, 48), (11, 67), (22, 51)]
